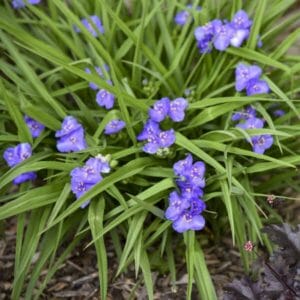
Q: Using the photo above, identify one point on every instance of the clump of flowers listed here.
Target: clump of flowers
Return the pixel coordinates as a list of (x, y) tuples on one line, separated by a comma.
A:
[(20, 3), (14, 156), (34, 126), (260, 143), (221, 33), (70, 136), (248, 77), (186, 205), (157, 139), (91, 25), (84, 178)]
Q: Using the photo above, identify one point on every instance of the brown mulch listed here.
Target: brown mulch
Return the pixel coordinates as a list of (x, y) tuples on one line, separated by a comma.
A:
[(77, 278)]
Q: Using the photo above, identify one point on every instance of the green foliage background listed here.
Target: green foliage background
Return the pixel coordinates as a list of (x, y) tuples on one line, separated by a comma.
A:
[(42, 68)]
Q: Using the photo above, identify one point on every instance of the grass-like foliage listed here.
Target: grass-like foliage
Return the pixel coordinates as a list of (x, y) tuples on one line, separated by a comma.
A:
[(45, 49)]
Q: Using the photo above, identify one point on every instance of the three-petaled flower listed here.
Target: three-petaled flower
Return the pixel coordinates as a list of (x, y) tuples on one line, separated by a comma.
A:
[(14, 156), (70, 136)]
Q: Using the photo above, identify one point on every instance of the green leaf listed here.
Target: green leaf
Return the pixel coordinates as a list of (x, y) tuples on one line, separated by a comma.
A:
[(95, 218)]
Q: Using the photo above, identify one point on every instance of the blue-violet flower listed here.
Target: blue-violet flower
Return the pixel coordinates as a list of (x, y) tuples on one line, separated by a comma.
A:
[(244, 73), (71, 136), (261, 143), (14, 156), (84, 178), (34, 126), (114, 126), (105, 99)]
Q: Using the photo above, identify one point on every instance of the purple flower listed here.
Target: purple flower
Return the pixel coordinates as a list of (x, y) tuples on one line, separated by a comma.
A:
[(204, 35), (71, 136), (162, 139), (68, 125), (188, 221), (191, 173), (105, 99), (114, 126), (241, 24), (160, 110), (25, 177), (247, 113), (99, 70), (185, 208), (20, 3), (80, 187), (177, 204), (182, 17), (241, 20), (261, 143), (89, 173), (182, 167), (252, 123), (72, 142), (239, 37), (223, 33), (15, 155), (96, 22), (197, 206), (156, 138), (278, 112), (84, 178), (151, 128), (196, 174), (11, 157), (177, 109), (34, 126), (166, 138), (244, 73), (189, 190), (152, 145), (104, 166), (255, 86)]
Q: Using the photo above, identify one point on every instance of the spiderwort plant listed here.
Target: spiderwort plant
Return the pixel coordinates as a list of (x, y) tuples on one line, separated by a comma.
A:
[(174, 157)]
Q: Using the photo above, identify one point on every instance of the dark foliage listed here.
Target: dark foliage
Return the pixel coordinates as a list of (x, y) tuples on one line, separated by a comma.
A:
[(279, 278)]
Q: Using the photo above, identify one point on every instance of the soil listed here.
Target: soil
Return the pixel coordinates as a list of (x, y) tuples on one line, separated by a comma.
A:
[(77, 278)]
